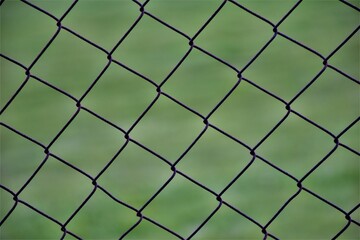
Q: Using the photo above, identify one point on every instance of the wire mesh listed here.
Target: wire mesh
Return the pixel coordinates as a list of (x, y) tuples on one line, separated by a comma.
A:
[(238, 72)]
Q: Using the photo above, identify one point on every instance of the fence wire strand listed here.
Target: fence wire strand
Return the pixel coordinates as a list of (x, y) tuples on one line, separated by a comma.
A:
[(238, 72)]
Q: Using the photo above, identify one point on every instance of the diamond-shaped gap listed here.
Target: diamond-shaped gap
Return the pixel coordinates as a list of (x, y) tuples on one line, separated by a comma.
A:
[(120, 96), (135, 175), (200, 82), (187, 16), (307, 217), (214, 160), (7, 203), (102, 218), (182, 206), (148, 230), (228, 38), (253, 193), (248, 114), (168, 129), (341, 172), (70, 64), (351, 233), (24, 31), (356, 215), (332, 101), (69, 237), (347, 58), (152, 49), (271, 10), (88, 143), (102, 23), (313, 24), (19, 159), (39, 111), (18, 226), (12, 76), (284, 68), (57, 190), (351, 137), (296, 146), (228, 224), (141, 1), (56, 8)]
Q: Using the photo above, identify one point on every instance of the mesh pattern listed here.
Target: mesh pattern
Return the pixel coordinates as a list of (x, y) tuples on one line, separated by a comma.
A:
[(238, 72)]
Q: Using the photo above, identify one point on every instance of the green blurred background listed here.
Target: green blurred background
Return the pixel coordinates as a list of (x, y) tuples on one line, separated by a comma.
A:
[(200, 82)]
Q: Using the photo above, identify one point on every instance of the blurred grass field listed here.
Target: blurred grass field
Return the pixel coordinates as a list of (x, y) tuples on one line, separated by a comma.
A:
[(168, 129)]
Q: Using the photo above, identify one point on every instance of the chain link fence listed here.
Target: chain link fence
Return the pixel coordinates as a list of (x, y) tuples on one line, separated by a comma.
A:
[(350, 220)]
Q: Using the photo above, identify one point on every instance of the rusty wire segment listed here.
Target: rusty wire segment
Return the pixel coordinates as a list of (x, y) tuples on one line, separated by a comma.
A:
[(238, 73)]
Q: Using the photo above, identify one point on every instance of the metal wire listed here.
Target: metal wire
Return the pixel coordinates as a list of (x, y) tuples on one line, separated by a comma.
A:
[(207, 124)]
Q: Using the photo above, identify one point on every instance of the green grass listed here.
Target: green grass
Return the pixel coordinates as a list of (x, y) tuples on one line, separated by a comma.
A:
[(120, 96)]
